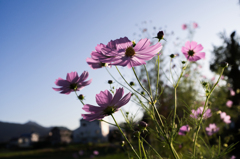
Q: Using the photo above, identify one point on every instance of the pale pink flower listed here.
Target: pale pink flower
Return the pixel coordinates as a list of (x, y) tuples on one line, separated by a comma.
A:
[(196, 114), (195, 25), (192, 51), (183, 130), (232, 92), (233, 157), (108, 104), (186, 75), (229, 103), (95, 152), (222, 77), (184, 26), (226, 118), (72, 83), (212, 129)]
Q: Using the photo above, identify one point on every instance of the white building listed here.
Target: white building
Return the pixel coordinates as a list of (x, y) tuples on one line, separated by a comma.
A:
[(94, 132)]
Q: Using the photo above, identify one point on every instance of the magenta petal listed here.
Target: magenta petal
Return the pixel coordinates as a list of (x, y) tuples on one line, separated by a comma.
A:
[(61, 82), (135, 62), (154, 49), (201, 55), (123, 43), (104, 98), (198, 48), (92, 108), (142, 44), (99, 47), (86, 83), (124, 100), (83, 76), (117, 96), (91, 117), (193, 45)]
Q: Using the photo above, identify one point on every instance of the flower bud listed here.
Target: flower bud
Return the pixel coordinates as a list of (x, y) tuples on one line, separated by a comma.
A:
[(136, 134), (183, 62), (172, 55), (143, 124), (81, 97), (132, 94), (142, 92), (132, 83), (224, 64), (123, 143), (133, 43), (160, 35), (110, 81)]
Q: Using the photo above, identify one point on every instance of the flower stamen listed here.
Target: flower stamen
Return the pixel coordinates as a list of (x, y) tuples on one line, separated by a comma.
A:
[(130, 52)]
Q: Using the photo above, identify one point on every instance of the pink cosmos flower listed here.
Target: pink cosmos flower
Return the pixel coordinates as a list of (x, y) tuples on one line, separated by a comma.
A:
[(107, 104), (128, 55), (72, 83), (97, 56), (195, 25), (232, 92), (95, 152), (184, 26), (183, 130), (196, 114), (226, 118), (192, 51), (233, 157), (229, 103), (212, 129)]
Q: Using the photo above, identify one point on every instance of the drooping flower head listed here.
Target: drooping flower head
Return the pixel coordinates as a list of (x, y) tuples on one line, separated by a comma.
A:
[(226, 118), (108, 104), (229, 103), (184, 26), (125, 54), (72, 83), (183, 130), (192, 51), (196, 114), (211, 129)]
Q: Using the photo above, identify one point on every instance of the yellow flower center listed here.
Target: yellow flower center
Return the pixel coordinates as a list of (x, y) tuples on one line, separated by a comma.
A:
[(130, 52)]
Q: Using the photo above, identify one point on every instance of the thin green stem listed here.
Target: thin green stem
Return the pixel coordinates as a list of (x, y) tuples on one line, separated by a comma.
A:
[(152, 148), (78, 98), (139, 146), (141, 84), (125, 137), (144, 153), (156, 93), (130, 85), (149, 83), (201, 118), (174, 113), (117, 80)]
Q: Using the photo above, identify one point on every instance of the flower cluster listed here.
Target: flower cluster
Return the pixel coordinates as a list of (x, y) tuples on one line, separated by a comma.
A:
[(211, 129), (226, 118), (196, 114)]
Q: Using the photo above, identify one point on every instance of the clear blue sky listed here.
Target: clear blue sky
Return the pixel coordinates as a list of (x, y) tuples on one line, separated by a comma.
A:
[(42, 40)]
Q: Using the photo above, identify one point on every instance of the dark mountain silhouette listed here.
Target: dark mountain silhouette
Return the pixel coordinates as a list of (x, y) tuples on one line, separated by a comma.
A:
[(10, 130)]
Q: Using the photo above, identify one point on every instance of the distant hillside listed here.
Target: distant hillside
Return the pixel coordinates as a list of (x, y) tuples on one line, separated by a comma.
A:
[(9, 130)]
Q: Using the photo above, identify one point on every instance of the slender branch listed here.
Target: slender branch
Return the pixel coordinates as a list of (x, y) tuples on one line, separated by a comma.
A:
[(125, 137)]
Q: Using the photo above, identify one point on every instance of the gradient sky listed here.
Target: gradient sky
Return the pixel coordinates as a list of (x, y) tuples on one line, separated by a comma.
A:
[(42, 40)]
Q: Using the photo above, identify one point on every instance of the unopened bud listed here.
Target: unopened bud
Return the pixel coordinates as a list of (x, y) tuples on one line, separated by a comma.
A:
[(143, 124), (110, 81), (183, 62), (132, 83), (123, 143), (142, 92), (172, 55), (224, 64), (160, 35), (133, 43), (81, 97), (136, 133)]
